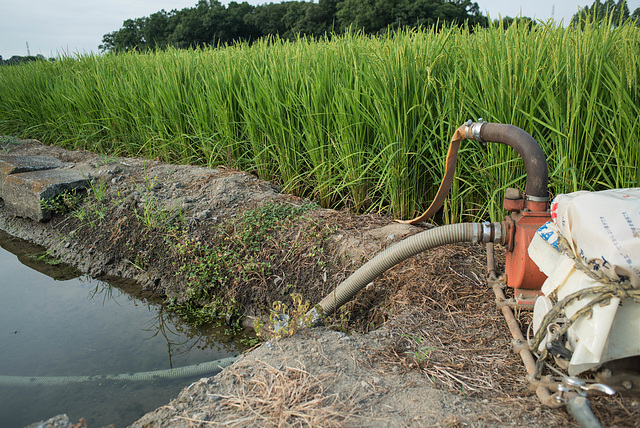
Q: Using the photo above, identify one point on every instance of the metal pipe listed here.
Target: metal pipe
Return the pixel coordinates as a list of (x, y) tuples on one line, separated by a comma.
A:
[(520, 345), (530, 151), (580, 409)]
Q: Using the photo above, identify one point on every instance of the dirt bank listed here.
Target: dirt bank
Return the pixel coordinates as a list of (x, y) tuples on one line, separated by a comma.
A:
[(427, 345)]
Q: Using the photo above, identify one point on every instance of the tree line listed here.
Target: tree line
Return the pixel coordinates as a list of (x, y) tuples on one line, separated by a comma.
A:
[(17, 59), (608, 11), (211, 23)]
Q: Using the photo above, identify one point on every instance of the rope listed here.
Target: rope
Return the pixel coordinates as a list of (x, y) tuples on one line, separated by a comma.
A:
[(604, 293)]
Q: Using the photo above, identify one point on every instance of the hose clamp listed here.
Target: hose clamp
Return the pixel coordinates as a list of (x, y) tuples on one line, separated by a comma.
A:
[(497, 232), (486, 232), (475, 130), (467, 132), (537, 198), (472, 130)]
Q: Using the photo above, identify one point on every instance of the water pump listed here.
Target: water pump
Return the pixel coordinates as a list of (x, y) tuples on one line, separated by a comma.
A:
[(575, 263)]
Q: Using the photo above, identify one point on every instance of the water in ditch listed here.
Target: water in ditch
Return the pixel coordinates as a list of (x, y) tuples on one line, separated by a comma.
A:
[(56, 322)]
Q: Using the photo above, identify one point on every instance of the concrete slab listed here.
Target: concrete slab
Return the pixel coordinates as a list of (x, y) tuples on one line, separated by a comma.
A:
[(16, 164), (23, 192)]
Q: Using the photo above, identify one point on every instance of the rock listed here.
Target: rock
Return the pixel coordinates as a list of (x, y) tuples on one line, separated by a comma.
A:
[(60, 421), (18, 164), (27, 181)]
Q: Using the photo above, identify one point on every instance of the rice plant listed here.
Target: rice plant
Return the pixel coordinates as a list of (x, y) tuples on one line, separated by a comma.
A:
[(356, 121)]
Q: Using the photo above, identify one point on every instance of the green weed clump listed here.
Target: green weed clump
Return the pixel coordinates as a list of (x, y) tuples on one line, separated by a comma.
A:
[(356, 121), (238, 255)]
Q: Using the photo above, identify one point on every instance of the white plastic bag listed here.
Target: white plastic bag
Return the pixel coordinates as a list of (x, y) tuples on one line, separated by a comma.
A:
[(602, 230)]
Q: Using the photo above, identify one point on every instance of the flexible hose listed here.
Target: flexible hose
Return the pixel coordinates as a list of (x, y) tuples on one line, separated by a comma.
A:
[(581, 410), (210, 367), (461, 232)]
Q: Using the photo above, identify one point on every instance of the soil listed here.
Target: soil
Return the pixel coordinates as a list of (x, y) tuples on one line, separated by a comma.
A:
[(426, 345)]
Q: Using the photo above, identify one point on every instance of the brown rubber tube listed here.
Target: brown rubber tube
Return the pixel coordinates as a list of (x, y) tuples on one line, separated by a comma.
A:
[(445, 186), (514, 137)]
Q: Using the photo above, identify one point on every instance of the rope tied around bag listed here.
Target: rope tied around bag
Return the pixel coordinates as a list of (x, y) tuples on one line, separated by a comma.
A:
[(603, 295)]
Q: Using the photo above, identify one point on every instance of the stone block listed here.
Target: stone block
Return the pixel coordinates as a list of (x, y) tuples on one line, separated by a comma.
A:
[(22, 193), (10, 164)]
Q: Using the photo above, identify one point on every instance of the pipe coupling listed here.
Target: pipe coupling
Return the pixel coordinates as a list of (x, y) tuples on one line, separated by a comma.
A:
[(472, 130), (487, 232)]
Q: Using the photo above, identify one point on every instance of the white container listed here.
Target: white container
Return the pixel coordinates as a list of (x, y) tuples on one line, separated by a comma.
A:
[(602, 231)]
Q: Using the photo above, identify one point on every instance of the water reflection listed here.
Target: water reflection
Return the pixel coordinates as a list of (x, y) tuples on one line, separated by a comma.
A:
[(56, 323), (35, 257)]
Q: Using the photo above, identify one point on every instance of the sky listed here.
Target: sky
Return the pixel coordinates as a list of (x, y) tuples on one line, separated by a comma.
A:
[(53, 27)]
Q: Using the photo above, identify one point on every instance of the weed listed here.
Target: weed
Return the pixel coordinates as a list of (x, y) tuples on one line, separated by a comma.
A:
[(8, 139), (422, 353), (235, 257), (91, 214), (47, 258), (62, 203), (339, 320), (283, 321), (97, 190), (150, 214), (106, 159)]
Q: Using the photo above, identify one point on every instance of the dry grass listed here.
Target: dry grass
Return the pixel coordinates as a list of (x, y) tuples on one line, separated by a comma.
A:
[(448, 327), (446, 323), (287, 397)]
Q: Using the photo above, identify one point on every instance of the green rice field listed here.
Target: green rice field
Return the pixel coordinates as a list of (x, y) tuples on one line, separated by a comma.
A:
[(356, 121)]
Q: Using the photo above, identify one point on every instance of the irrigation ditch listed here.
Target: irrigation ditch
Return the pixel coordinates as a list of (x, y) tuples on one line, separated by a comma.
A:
[(422, 345)]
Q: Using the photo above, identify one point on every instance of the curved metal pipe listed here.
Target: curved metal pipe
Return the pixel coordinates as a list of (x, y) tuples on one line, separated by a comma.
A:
[(533, 156), (530, 151)]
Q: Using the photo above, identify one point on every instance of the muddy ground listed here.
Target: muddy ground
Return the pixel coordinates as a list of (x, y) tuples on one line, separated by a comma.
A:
[(424, 345)]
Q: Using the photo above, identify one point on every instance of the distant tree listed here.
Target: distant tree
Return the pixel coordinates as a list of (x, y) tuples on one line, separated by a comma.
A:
[(126, 39), (374, 16), (600, 12), (268, 18), (370, 16), (507, 22), (199, 26), (316, 19), (284, 19), (156, 30), (235, 26), (211, 23), (17, 59)]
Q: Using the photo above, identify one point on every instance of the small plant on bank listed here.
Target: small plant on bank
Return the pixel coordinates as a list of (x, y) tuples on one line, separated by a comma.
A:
[(242, 253), (422, 353), (47, 258), (63, 203), (283, 321), (8, 139), (151, 214), (97, 190)]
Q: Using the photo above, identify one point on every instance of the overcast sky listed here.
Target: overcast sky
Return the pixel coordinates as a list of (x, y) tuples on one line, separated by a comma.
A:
[(53, 27)]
